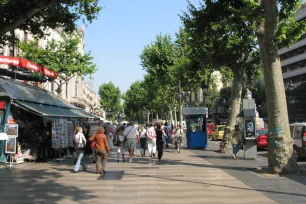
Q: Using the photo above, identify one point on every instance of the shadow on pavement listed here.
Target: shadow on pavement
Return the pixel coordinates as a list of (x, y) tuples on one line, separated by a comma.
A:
[(37, 186)]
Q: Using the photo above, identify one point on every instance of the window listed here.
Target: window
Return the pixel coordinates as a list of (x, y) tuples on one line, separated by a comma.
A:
[(298, 132), (76, 89), (195, 96), (52, 86), (66, 90)]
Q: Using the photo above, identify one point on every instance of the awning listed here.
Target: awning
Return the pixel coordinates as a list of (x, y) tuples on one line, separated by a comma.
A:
[(53, 111), (41, 102)]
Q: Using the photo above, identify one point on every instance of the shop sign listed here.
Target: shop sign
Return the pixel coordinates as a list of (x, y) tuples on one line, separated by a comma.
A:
[(19, 62)]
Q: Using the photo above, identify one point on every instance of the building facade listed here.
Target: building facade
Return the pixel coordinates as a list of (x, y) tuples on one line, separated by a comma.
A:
[(76, 91), (293, 59)]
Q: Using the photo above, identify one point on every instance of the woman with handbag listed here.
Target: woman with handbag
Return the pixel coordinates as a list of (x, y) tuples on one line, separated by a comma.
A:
[(99, 141), (79, 143)]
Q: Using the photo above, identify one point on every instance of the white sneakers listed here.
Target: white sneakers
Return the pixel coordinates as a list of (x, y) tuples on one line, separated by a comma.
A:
[(131, 160)]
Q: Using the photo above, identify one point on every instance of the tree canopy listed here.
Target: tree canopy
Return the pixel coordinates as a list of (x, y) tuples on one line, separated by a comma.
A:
[(62, 57), (36, 16), (110, 97)]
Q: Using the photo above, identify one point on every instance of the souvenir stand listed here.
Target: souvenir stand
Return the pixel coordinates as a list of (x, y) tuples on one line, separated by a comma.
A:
[(36, 111)]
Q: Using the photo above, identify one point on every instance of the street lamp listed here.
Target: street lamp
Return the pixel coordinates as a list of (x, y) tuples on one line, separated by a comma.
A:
[(204, 88)]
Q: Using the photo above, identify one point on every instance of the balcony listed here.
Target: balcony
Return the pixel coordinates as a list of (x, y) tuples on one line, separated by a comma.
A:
[(294, 59), (301, 13), (294, 73), (296, 45)]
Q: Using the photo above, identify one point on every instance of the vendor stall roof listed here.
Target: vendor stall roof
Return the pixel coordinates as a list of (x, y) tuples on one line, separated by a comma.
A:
[(25, 92), (52, 111), (41, 102)]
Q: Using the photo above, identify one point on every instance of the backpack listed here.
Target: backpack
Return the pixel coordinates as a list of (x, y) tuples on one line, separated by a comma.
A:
[(78, 141)]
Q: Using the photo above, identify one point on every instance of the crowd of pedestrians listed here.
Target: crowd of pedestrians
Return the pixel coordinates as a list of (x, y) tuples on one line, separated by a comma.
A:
[(153, 137)]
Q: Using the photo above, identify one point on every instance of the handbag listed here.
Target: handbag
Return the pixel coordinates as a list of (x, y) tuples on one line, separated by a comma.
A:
[(125, 136), (93, 144)]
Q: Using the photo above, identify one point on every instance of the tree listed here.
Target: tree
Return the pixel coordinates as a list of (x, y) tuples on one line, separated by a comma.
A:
[(224, 43), (275, 27), (135, 100), (63, 57), (110, 96), (36, 16)]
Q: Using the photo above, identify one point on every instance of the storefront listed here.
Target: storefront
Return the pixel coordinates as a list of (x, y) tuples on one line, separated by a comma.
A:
[(39, 121)]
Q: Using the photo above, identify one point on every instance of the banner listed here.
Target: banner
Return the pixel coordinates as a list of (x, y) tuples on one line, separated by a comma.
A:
[(19, 62)]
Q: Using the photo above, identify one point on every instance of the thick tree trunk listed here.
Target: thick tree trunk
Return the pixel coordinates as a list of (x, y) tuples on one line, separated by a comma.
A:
[(226, 144), (281, 158)]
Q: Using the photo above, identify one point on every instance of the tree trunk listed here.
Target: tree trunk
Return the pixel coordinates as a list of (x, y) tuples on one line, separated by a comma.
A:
[(281, 158), (175, 117), (226, 144), (171, 117)]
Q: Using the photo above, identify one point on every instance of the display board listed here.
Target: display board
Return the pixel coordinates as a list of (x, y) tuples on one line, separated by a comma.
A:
[(70, 129), (12, 132), (59, 133)]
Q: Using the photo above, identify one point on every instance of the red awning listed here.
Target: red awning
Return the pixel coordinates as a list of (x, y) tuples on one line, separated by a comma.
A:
[(19, 62)]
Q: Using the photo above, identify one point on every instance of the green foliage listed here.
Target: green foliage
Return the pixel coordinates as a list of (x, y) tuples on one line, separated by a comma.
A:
[(37, 15), (135, 99), (62, 57), (110, 96)]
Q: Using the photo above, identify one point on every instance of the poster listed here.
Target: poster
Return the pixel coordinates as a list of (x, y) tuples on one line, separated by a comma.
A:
[(10, 145), (59, 133), (11, 130)]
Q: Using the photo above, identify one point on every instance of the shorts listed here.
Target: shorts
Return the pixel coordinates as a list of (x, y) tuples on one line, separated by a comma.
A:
[(131, 144)]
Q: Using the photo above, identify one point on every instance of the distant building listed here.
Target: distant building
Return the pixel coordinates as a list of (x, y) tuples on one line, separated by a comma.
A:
[(293, 59), (76, 91)]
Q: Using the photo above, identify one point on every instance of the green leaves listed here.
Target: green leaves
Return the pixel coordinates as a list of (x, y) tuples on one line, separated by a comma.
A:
[(61, 14), (62, 57), (110, 97)]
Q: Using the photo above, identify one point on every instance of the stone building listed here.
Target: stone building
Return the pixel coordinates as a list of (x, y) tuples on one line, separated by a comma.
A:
[(76, 90)]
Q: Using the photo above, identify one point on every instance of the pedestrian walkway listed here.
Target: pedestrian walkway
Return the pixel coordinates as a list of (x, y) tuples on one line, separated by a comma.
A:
[(178, 178), (290, 189)]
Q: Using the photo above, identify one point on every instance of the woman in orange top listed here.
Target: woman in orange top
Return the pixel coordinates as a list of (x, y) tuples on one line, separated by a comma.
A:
[(102, 149)]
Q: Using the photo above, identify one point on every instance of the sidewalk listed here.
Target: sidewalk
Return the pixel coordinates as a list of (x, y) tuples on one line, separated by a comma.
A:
[(286, 190), (178, 178)]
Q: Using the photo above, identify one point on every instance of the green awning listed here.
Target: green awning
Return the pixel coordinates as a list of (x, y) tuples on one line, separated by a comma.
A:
[(53, 111)]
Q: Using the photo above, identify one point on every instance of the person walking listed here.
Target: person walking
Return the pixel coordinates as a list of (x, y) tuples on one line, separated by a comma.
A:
[(132, 136), (159, 141), (110, 135), (121, 143), (102, 149), (79, 143), (178, 138), (167, 134), (143, 140), (236, 142), (151, 135)]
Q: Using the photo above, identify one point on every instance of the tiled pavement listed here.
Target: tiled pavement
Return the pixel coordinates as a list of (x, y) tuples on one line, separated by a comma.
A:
[(178, 179), (284, 190)]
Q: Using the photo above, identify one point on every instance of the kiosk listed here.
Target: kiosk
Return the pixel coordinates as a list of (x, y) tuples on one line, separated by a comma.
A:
[(246, 121), (196, 127)]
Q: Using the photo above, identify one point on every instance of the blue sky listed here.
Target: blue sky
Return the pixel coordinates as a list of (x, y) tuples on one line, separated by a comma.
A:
[(123, 28)]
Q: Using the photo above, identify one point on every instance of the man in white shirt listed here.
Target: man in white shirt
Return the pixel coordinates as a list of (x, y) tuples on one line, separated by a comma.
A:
[(132, 136)]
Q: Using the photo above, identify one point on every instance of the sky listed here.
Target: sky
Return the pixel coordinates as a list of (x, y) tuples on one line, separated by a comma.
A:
[(122, 30)]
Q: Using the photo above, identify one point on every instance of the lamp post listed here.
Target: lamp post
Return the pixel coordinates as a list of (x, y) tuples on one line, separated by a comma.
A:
[(204, 88)]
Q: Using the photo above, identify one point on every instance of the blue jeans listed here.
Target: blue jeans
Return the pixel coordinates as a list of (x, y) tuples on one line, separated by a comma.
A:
[(80, 161), (166, 140), (236, 148)]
